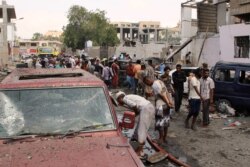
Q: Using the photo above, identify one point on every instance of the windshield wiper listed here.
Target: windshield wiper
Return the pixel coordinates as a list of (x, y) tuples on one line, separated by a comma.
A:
[(94, 126), (86, 128)]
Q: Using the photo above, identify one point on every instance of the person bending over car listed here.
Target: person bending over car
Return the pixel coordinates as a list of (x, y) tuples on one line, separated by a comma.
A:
[(146, 112)]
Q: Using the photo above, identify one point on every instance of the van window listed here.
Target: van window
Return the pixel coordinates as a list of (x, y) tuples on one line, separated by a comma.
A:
[(244, 77), (226, 75)]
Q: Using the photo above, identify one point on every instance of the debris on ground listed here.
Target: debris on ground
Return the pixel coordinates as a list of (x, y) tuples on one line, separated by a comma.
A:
[(172, 135), (225, 108), (236, 123), (157, 157), (214, 116), (245, 130), (229, 128)]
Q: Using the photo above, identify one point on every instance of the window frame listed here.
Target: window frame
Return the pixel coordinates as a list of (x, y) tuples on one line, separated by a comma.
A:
[(239, 47), (224, 69)]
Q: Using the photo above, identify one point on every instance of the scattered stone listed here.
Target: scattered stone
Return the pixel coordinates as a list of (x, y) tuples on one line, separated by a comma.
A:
[(172, 135), (237, 149)]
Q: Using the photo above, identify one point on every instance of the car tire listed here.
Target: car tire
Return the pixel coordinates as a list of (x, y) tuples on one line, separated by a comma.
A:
[(220, 103)]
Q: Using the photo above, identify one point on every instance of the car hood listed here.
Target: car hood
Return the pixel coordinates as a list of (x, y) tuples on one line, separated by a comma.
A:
[(80, 150)]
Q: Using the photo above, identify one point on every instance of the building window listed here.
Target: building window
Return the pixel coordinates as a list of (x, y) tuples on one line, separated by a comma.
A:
[(241, 47), (44, 44), (145, 26), (22, 44), (225, 75), (244, 77), (33, 44)]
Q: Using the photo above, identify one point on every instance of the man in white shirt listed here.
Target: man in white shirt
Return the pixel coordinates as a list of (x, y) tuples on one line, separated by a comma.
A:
[(163, 105), (72, 62), (207, 93), (146, 113), (195, 99)]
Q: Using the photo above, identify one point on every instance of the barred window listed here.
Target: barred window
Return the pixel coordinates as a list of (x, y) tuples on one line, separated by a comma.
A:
[(242, 46)]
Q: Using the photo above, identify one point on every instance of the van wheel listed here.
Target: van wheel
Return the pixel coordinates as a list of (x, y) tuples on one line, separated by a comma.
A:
[(221, 105)]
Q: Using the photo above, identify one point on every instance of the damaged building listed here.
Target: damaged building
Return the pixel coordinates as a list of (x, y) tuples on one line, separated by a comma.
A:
[(144, 31), (214, 30), (141, 40)]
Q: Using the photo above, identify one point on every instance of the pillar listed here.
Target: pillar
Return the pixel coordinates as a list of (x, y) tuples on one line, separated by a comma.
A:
[(4, 54), (121, 34), (155, 35), (131, 34)]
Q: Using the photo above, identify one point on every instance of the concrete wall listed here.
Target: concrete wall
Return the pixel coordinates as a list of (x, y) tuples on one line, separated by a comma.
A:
[(93, 51), (142, 50), (187, 30), (227, 34), (210, 53)]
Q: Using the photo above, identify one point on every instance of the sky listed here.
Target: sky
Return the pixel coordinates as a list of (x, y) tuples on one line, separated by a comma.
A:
[(43, 15)]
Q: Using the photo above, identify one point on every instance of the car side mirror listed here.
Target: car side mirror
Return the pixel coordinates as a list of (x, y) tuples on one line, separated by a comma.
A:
[(128, 120)]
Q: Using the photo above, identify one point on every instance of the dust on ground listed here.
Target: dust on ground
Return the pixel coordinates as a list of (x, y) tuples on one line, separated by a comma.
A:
[(211, 146), (207, 147)]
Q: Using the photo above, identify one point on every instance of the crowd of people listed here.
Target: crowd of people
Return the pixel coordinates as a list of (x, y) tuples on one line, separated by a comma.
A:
[(167, 93), (141, 79), (107, 70)]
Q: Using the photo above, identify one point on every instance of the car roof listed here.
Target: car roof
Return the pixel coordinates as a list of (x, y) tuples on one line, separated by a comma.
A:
[(222, 63), (186, 68), (39, 78), (189, 68)]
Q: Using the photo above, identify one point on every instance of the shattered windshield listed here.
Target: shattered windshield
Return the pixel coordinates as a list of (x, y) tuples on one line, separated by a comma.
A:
[(53, 111)]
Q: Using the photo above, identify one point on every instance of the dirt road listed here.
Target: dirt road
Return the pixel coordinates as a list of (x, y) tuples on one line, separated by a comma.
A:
[(207, 147), (211, 146)]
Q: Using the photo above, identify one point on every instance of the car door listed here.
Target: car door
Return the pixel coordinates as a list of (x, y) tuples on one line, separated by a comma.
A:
[(242, 88), (224, 79)]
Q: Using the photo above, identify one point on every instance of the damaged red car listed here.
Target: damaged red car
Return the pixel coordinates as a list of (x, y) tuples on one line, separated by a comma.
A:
[(60, 118)]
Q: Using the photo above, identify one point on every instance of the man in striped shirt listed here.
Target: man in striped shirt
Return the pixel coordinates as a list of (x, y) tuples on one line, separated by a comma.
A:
[(207, 93)]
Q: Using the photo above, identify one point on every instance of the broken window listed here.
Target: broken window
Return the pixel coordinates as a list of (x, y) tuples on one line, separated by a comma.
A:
[(55, 110), (225, 75), (244, 77), (241, 46)]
